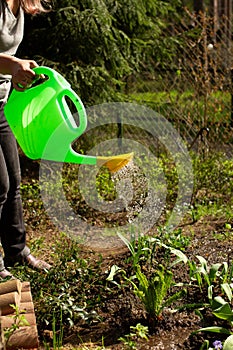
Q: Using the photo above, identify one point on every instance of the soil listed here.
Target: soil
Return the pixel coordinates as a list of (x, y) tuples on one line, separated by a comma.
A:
[(123, 309), (172, 331)]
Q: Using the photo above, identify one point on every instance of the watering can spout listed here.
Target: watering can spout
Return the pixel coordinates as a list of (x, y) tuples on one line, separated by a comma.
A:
[(115, 163), (44, 126)]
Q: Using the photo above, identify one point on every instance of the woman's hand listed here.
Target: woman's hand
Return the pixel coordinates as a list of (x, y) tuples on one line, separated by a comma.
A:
[(22, 73), (20, 70)]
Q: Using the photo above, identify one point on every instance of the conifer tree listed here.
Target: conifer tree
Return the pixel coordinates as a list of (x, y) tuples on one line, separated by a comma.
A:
[(98, 44)]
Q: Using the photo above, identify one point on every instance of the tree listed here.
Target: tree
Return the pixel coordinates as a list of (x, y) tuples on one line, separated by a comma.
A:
[(98, 44)]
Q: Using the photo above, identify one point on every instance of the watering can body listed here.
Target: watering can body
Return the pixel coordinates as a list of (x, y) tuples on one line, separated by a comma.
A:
[(44, 126), (42, 122)]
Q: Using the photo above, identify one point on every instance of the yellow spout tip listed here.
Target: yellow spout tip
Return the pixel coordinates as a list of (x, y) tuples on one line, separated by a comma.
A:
[(115, 163)]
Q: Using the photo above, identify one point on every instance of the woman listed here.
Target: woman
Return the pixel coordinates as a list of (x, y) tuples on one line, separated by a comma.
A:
[(19, 73)]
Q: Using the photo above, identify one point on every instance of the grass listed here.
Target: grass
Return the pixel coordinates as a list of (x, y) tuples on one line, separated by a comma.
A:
[(190, 111)]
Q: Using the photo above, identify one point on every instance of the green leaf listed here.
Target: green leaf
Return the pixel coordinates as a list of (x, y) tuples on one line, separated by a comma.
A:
[(227, 289), (210, 292), (213, 271), (203, 262), (228, 344), (181, 256), (113, 271), (224, 312), (143, 281), (217, 302), (127, 243), (206, 345), (178, 295), (214, 329)]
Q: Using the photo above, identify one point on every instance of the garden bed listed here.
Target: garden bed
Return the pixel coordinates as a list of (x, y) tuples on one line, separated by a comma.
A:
[(78, 308)]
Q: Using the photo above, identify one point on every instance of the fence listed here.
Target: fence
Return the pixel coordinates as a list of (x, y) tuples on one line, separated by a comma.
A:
[(196, 93)]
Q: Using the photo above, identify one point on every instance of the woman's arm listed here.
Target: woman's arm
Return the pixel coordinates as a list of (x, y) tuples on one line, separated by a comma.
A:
[(20, 70)]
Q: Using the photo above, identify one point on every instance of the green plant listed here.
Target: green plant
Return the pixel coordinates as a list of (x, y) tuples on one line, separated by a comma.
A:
[(67, 289), (217, 279), (152, 290), (141, 248), (137, 332), (217, 275), (129, 31), (33, 205), (104, 185), (228, 230), (202, 273), (220, 308), (57, 339), (228, 343), (144, 248), (212, 188), (19, 320), (174, 238)]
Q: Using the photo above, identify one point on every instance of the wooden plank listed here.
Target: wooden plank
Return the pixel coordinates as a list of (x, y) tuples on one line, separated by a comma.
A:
[(24, 338), (6, 300), (10, 286)]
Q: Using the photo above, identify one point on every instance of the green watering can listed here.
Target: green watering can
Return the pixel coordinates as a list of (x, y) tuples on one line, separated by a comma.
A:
[(44, 126)]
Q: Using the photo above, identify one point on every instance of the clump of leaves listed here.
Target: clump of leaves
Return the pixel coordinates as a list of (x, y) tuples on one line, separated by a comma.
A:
[(152, 288), (136, 332), (66, 289)]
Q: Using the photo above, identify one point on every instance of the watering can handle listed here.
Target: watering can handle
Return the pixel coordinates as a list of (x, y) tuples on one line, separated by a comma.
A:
[(79, 107), (51, 73), (67, 91)]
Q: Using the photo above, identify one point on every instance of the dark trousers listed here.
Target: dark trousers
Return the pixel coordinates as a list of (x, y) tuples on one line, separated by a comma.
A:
[(12, 230)]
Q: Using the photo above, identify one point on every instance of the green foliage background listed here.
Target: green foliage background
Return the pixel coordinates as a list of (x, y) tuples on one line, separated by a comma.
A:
[(100, 45)]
